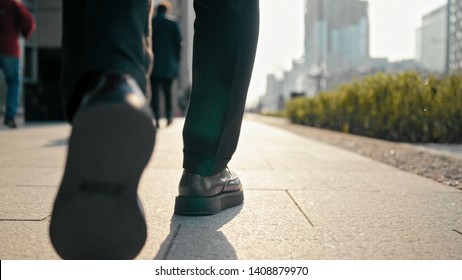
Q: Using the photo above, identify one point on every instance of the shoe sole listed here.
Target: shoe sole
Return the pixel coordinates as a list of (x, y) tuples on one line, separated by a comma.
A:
[(198, 206), (97, 213)]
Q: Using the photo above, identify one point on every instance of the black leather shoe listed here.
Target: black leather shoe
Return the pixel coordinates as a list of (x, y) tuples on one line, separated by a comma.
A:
[(97, 214), (10, 123), (199, 195)]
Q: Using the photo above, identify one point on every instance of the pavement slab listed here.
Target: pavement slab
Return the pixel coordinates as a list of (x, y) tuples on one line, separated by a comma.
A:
[(304, 199)]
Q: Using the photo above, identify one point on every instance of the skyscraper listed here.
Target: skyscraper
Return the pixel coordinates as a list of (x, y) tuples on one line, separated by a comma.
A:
[(337, 34), (454, 59), (431, 40), (336, 49)]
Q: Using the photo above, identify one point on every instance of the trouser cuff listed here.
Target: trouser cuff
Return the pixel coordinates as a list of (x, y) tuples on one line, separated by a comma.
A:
[(203, 166)]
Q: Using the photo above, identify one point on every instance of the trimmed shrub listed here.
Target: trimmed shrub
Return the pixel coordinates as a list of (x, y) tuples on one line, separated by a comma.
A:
[(399, 107)]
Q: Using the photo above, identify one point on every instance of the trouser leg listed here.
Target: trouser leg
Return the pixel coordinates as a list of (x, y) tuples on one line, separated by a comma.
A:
[(167, 89), (11, 71), (103, 36), (225, 40), (155, 98)]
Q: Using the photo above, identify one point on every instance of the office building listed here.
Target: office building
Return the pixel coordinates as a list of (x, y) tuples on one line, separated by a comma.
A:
[(432, 39), (454, 49), (337, 34)]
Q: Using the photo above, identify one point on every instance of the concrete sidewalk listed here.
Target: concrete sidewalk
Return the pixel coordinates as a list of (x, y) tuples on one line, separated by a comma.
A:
[(303, 200)]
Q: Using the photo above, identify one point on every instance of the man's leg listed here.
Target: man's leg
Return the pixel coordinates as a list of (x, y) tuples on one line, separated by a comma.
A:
[(97, 214), (167, 89), (155, 99), (94, 43), (11, 71), (225, 41)]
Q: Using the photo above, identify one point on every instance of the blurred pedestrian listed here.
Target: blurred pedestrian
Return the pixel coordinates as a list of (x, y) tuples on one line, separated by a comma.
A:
[(97, 213), (166, 46), (15, 21)]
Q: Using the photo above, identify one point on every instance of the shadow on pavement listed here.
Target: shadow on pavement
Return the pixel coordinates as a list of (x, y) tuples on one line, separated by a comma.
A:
[(57, 143), (198, 238)]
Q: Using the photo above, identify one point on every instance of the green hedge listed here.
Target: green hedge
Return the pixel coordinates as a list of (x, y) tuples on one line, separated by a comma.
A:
[(404, 107)]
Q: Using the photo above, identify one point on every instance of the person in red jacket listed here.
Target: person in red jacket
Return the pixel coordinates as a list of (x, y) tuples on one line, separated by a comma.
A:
[(15, 21)]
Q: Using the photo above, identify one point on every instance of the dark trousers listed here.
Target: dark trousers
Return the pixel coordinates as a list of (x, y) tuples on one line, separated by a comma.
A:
[(225, 40), (163, 85), (101, 36)]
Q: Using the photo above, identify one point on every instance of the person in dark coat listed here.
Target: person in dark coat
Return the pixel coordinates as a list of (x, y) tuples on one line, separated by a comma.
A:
[(15, 21), (166, 46), (106, 67)]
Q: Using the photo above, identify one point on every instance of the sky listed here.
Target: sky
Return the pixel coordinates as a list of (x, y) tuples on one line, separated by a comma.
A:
[(393, 25)]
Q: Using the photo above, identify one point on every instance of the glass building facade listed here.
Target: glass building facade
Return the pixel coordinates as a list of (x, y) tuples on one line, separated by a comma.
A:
[(337, 34), (454, 59)]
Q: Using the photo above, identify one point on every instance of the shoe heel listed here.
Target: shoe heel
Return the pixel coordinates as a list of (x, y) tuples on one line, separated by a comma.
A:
[(197, 206), (98, 223)]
